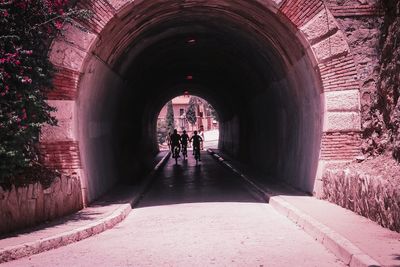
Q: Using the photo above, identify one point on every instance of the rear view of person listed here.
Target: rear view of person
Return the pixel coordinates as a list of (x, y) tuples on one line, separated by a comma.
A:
[(197, 140), (175, 145), (201, 134), (184, 142)]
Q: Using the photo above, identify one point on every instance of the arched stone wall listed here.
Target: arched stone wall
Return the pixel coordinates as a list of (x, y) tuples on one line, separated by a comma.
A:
[(313, 54)]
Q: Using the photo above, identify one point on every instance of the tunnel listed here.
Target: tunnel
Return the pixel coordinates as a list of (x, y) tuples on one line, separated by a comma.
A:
[(243, 58)]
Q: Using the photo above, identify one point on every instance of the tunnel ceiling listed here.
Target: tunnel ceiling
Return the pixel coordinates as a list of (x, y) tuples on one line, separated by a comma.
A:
[(238, 50)]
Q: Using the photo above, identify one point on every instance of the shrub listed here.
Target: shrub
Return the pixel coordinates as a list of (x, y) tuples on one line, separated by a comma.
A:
[(26, 30)]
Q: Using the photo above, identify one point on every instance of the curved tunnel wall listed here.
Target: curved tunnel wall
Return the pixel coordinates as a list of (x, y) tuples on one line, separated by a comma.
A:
[(267, 71)]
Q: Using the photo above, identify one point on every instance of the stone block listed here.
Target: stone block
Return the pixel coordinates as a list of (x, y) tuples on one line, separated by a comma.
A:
[(118, 4), (69, 187), (6, 194), (318, 185), (65, 55), (362, 260), (39, 212), (64, 184), (35, 190), (78, 37), (12, 204), (322, 25), (340, 246), (30, 211), (2, 193), (342, 121), (30, 191), (278, 2), (2, 215), (64, 131), (331, 47), (22, 195), (48, 191), (65, 108), (56, 185), (348, 100)]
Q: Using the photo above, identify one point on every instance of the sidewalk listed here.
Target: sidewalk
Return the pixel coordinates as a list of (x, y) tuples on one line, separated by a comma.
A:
[(354, 239), (101, 215)]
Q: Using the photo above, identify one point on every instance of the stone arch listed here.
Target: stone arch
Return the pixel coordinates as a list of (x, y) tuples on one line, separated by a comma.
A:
[(82, 57)]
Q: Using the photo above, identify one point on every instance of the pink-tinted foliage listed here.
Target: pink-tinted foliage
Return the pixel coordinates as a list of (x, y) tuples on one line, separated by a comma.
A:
[(26, 30)]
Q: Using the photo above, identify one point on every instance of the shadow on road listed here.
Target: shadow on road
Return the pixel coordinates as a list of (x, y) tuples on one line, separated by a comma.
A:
[(209, 181)]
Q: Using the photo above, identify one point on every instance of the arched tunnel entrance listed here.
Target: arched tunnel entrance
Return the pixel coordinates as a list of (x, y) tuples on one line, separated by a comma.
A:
[(246, 58)]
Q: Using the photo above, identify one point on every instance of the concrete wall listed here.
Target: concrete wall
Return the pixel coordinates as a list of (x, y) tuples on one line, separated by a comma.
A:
[(278, 131), (96, 110)]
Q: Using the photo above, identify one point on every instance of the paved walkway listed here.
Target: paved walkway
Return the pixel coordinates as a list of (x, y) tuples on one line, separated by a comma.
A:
[(101, 215), (379, 243), (200, 215), (205, 215)]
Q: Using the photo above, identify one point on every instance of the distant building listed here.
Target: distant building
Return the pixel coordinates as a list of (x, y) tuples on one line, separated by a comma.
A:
[(180, 105)]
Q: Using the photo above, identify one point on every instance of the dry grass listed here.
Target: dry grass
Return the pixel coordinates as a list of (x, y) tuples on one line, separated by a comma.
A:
[(374, 198)]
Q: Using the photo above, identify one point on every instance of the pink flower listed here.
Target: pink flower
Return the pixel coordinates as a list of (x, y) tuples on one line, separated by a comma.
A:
[(26, 79), (24, 116), (58, 25), (27, 52)]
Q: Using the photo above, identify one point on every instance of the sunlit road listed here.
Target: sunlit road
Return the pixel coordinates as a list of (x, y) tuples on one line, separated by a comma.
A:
[(194, 216)]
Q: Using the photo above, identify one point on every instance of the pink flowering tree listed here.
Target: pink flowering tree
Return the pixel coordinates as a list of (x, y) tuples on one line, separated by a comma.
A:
[(26, 30)]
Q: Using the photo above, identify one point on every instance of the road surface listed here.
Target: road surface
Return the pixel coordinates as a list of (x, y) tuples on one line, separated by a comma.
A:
[(194, 216)]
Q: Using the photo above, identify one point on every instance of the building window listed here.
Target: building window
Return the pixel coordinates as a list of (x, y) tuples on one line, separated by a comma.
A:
[(181, 111)]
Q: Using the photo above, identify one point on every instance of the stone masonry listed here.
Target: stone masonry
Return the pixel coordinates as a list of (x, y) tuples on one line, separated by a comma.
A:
[(33, 204), (338, 37)]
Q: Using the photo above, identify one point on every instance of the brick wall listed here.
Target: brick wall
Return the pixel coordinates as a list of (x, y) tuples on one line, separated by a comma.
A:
[(62, 155), (102, 13), (65, 84), (341, 146), (360, 21), (355, 10), (339, 74), (300, 11)]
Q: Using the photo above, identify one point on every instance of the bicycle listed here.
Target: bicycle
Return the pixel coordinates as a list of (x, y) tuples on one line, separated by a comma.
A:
[(175, 153), (196, 154), (184, 151)]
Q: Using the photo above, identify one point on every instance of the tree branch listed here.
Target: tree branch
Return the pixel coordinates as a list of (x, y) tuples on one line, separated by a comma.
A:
[(10, 37), (64, 17), (7, 3)]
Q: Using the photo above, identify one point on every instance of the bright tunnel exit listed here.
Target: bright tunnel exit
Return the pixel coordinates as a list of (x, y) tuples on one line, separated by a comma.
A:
[(188, 113)]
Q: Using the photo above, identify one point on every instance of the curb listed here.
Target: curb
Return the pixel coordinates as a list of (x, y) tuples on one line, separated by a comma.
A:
[(343, 248), (52, 242)]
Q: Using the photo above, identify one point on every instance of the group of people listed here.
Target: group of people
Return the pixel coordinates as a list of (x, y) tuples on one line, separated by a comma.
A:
[(177, 140)]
